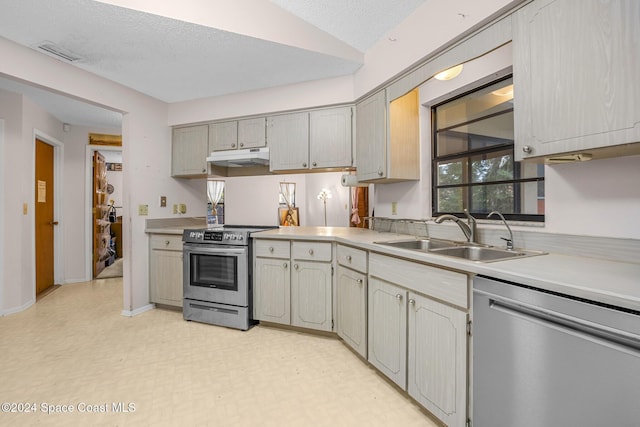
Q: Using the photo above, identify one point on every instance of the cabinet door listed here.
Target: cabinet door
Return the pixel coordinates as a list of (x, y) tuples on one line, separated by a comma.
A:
[(438, 359), (223, 136), (288, 136), (575, 71), (311, 305), (272, 289), (388, 330), (165, 277), (189, 149), (352, 305), (371, 137), (252, 133), (330, 135)]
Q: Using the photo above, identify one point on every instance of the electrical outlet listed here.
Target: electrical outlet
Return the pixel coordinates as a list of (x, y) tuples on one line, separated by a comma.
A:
[(175, 208), (182, 208), (394, 208), (143, 210), (163, 201)]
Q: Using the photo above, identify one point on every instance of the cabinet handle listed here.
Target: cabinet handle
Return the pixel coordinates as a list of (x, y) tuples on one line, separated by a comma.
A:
[(166, 242), (412, 301), (527, 149), (359, 282), (233, 145), (399, 297), (349, 258), (295, 266), (380, 173), (204, 170), (284, 264), (314, 164), (304, 165), (271, 249), (310, 251)]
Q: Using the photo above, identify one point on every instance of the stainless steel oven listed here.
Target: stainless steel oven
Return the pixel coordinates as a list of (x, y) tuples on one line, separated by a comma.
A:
[(217, 276)]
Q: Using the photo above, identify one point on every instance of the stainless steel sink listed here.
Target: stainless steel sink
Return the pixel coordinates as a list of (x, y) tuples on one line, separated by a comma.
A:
[(483, 253), (471, 252), (423, 245)]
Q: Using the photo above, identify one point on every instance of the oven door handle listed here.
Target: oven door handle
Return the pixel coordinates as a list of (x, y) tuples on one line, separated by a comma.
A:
[(215, 250)]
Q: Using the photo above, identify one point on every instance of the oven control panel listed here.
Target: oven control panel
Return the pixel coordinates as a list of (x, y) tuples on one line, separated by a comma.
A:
[(229, 237)]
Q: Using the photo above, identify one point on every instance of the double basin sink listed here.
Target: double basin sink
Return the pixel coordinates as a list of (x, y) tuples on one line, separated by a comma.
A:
[(469, 251)]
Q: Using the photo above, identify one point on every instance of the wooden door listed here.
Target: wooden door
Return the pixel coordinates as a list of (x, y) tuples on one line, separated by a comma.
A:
[(101, 224), (44, 222)]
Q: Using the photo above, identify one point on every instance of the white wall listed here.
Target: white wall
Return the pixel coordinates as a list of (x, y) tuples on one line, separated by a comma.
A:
[(254, 200)]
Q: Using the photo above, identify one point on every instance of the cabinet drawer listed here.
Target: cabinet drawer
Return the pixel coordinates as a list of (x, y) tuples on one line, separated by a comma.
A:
[(435, 282), (312, 251), (167, 242), (352, 258), (272, 248)]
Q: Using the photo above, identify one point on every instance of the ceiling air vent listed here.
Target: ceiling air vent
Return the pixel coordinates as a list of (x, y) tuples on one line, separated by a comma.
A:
[(58, 52)]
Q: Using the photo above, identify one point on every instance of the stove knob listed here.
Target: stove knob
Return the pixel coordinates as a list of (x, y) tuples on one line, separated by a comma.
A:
[(240, 237), (234, 237)]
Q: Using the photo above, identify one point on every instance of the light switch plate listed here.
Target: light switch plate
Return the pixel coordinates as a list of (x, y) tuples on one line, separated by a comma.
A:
[(182, 208), (143, 210), (394, 208), (175, 208), (25, 208), (163, 201)]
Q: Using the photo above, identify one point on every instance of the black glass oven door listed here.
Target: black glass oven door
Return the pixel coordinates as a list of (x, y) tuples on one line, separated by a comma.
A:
[(214, 271)]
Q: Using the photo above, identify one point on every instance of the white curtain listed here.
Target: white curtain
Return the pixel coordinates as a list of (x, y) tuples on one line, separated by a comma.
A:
[(355, 218), (215, 191), (288, 190)]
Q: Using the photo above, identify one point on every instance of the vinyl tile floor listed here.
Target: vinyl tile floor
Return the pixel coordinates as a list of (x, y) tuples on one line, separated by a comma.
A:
[(73, 359)]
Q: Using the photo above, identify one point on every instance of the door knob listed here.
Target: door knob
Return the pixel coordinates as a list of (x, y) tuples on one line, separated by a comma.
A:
[(53, 223)]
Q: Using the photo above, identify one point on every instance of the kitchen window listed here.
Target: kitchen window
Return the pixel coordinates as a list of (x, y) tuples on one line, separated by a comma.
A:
[(473, 161)]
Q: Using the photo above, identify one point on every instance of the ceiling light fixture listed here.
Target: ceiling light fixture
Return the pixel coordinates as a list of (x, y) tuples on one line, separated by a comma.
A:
[(449, 73), (57, 51)]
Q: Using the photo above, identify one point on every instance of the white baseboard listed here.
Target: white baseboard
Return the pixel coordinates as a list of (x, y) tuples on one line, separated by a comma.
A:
[(15, 310), (140, 310)]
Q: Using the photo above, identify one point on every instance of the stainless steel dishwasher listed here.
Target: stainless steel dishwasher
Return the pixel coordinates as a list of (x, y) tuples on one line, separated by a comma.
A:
[(542, 359)]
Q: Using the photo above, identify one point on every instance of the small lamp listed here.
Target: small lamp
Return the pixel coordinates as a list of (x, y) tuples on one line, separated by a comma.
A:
[(324, 195)]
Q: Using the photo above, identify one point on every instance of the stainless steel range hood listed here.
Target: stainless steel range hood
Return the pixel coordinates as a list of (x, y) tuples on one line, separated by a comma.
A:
[(240, 158)]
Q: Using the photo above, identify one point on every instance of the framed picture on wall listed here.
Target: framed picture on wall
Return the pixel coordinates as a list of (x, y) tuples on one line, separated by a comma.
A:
[(288, 217)]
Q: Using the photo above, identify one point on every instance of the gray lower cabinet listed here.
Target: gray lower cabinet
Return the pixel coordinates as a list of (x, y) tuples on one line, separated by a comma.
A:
[(437, 358), (417, 336), (165, 269), (293, 283), (311, 297), (272, 282), (388, 330)]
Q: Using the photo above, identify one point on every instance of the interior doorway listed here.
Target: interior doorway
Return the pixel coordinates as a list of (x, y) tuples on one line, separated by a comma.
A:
[(106, 184), (45, 221)]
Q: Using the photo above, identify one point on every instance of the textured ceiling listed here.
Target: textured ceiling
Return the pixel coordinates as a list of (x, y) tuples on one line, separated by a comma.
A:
[(188, 58)]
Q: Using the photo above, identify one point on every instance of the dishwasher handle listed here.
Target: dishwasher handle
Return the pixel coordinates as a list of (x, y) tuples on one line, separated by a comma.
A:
[(604, 335)]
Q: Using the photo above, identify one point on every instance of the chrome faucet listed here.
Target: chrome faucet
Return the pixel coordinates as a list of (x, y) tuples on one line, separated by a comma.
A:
[(510, 239), (468, 229)]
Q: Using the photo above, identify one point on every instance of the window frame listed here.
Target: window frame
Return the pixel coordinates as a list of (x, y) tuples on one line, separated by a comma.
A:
[(466, 157)]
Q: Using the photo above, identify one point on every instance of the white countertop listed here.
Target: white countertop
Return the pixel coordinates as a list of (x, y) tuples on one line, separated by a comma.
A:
[(609, 282)]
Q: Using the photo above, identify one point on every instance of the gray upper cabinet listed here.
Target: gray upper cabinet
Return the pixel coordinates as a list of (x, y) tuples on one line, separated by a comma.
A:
[(288, 136), (189, 148), (252, 132), (223, 136), (330, 137), (388, 138), (576, 66), (317, 139)]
